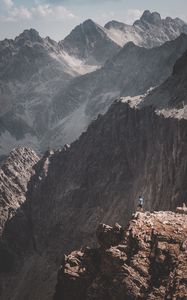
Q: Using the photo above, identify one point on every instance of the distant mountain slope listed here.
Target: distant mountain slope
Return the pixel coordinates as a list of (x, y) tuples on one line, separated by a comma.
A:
[(171, 96), (131, 72), (32, 70), (40, 102), (149, 31), (89, 41)]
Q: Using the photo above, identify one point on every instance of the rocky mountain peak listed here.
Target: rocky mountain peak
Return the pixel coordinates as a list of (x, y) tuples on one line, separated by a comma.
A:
[(152, 18), (28, 35), (148, 260), (89, 41), (89, 23)]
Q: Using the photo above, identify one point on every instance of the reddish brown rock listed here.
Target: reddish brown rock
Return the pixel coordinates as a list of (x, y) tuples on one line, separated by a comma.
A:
[(150, 262), (109, 236)]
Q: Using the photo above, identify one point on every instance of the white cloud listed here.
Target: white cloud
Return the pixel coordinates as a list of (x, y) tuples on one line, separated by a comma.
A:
[(8, 3), (42, 11), (20, 13), (133, 15), (128, 16), (57, 12)]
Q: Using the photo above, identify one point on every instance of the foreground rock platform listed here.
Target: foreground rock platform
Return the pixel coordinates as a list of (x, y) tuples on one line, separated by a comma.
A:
[(147, 260)]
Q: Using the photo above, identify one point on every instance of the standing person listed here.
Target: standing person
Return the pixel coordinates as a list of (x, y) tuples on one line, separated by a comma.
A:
[(140, 203)]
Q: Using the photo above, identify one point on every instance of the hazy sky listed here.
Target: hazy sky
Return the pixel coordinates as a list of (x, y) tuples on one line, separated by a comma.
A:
[(56, 18)]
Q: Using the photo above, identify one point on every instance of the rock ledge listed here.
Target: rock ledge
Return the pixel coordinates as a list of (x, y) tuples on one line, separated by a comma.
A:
[(148, 260)]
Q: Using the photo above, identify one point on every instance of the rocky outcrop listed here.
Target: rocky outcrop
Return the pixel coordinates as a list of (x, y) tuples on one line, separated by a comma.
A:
[(149, 261), (15, 174), (182, 210), (15, 226), (15, 235)]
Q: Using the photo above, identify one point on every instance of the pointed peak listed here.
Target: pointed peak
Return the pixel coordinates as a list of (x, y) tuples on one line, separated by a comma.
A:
[(29, 35), (146, 14), (148, 17), (89, 23), (153, 18)]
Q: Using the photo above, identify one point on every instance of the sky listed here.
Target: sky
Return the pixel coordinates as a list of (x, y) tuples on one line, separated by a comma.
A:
[(56, 18)]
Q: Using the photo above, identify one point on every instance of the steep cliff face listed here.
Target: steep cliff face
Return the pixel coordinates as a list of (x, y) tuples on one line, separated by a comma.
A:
[(148, 260), (15, 228), (170, 97), (131, 72), (124, 153), (98, 178), (15, 174)]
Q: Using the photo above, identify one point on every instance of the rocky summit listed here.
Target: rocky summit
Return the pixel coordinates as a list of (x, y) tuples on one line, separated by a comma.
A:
[(147, 260)]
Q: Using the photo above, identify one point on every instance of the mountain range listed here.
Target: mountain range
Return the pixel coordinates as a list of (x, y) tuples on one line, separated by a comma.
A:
[(49, 91), (52, 202)]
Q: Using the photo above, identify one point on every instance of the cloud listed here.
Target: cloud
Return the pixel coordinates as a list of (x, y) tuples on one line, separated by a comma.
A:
[(8, 3), (128, 16), (52, 11), (43, 11), (84, 2), (132, 15)]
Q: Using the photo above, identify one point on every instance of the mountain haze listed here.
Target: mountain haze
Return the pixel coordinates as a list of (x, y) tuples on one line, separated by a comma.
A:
[(131, 72), (49, 91)]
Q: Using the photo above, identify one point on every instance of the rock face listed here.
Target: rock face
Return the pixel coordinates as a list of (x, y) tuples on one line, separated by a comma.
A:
[(131, 72), (74, 189), (32, 71), (15, 230), (147, 156), (15, 174), (170, 98), (148, 260), (149, 31), (15, 226), (90, 42)]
